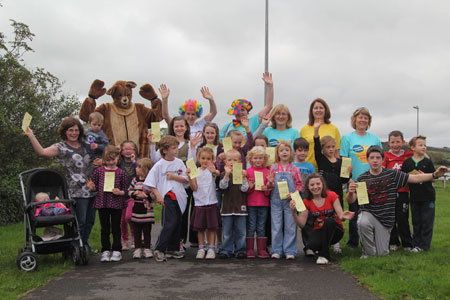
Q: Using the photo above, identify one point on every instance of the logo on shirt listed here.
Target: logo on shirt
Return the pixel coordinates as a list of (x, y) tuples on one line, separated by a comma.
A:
[(361, 151)]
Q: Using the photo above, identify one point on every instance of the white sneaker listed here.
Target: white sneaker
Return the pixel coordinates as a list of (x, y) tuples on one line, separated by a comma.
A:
[(210, 254), (137, 253), (290, 256), (125, 245), (116, 256), (364, 256), (276, 256), (337, 248), (148, 253), (416, 250), (105, 256), (200, 254), (393, 247), (321, 260), (309, 252)]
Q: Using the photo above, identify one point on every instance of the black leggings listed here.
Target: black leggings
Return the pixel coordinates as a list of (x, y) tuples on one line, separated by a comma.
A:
[(139, 229), (321, 239)]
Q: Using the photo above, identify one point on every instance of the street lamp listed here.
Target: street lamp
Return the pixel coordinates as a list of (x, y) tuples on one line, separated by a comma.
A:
[(417, 108)]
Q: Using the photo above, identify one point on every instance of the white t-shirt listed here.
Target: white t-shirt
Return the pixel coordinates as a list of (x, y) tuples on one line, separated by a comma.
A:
[(198, 126), (157, 178), (155, 155), (206, 191)]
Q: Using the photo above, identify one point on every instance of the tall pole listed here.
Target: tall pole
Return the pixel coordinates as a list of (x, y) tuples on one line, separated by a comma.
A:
[(417, 108), (266, 60)]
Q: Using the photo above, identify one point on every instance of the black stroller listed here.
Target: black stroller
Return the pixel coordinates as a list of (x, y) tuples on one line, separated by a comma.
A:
[(69, 243)]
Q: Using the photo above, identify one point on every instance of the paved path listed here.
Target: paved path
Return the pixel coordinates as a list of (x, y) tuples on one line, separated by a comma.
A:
[(191, 279)]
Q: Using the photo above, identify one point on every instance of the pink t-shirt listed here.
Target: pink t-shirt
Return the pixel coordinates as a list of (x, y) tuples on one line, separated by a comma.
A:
[(254, 197)]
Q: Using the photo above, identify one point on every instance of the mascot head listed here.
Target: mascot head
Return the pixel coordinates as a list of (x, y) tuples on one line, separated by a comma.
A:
[(122, 94)]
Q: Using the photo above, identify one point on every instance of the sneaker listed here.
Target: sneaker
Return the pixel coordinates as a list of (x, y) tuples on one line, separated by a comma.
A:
[(276, 256), (105, 256), (219, 245), (116, 256), (309, 253), (159, 256), (200, 254), (393, 247), (416, 250), (241, 255), (182, 247), (137, 253), (321, 260), (174, 254), (407, 249), (211, 254), (364, 256), (290, 256), (337, 248), (125, 245), (130, 243), (148, 253)]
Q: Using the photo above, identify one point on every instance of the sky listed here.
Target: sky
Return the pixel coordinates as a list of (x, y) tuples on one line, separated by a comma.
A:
[(386, 55)]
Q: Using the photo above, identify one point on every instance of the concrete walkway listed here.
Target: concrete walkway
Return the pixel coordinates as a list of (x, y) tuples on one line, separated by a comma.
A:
[(191, 279)]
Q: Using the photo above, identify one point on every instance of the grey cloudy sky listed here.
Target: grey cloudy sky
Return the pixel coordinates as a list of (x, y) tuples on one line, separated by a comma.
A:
[(386, 55)]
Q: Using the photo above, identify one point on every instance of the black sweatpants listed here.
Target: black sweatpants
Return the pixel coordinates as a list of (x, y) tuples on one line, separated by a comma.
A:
[(139, 229), (422, 215), (169, 238), (401, 227), (110, 223), (321, 239)]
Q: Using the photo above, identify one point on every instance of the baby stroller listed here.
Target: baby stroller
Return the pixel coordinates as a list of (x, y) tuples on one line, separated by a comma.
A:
[(70, 243)]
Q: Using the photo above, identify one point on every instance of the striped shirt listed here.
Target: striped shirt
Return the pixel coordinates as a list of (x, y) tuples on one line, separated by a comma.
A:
[(382, 190)]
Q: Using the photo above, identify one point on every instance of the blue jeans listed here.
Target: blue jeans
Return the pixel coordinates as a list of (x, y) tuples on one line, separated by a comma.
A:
[(256, 220), (281, 216), (233, 234), (85, 216)]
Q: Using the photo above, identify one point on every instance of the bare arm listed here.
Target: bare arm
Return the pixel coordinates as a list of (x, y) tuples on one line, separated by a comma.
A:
[(351, 193), (267, 77), (418, 178), (165, 92), (301, 219), (51, 151), (212, 104)]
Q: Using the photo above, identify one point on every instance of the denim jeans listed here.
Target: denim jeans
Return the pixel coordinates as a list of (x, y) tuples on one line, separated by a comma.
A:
[(233, 234), (256, 220), (85, 216)]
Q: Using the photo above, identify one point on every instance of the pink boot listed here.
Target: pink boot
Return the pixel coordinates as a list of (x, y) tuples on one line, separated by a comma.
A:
[(250, 247), (261, 244)]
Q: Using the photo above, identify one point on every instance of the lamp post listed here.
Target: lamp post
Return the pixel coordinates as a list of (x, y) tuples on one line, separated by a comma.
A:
[(266, 57), (417, 108)]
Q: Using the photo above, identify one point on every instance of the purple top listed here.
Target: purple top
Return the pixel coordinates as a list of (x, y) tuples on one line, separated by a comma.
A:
[(108, 199)]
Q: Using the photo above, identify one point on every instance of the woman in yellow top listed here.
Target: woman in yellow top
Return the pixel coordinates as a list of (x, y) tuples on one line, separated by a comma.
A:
[(319, 112)]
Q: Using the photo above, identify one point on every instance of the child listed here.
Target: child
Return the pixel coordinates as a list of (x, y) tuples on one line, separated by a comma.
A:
[(393, 159), (234, 209), (301, 148), (257, 203), (95, 137), (422, 196), (261, 140), (166, 180), (110, 204), (128, 154), (284, 171), (206, 215), (49, 209), (142, 216), (329, 166), (210, 137)]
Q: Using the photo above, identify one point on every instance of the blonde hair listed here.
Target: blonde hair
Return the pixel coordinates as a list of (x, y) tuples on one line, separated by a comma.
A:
[(413, 141), (287, 144), (326, 139), (205, 149), (110, 152), (145, 164), (96, 116), (231, 153), (358, 112), (258, 150), (277, 109), (40, 197), (235, 132)]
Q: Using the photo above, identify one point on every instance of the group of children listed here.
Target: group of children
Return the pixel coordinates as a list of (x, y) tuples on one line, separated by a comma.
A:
[(230, 208)]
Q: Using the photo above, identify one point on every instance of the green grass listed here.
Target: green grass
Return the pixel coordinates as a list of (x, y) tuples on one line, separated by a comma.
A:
[(404, 275)]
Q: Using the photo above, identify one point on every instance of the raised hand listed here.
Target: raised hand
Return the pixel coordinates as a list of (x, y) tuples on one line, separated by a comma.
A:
[(212, 167), (228, 168), (245, 122), (149, 137), (195, 139), (267, 78), (164, 91), (90, 184), (266, 119), (97, 89), (206, 93)]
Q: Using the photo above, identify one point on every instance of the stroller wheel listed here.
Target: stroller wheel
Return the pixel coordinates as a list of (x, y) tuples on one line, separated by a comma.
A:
[(27, 261), (84, 255), (76, 256)]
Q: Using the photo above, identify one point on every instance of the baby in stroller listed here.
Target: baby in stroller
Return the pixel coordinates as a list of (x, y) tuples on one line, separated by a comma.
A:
[(49, 209)]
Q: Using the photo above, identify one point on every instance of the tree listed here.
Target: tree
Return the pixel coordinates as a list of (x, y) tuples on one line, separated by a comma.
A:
[(23, 90)]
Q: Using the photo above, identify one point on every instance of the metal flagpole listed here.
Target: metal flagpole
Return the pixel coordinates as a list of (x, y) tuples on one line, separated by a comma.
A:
[(266, 59), (417, 108)]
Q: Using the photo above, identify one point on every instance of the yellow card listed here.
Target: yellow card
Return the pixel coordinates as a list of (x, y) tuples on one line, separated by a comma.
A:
[(227, 144), (156, 131), (210, 146), (346, 162), (109, 181), (414, 172), (259, 180), (237, 173), (283, 189), (191, 165), (361, 192), (299, 205), (271, 152), (26, 121)]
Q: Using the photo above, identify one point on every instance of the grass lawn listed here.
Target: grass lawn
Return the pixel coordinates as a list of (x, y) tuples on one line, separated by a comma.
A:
[(402, 275)]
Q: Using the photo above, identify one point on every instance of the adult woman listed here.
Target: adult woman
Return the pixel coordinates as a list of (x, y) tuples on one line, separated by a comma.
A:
[(241, 107), (190, 109), (281, 126), (325, 208), (319, 113), (72, 154), (354, 145)]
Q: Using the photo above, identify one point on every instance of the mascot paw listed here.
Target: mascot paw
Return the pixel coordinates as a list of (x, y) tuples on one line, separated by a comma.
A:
[(148, 92), (97, 89)]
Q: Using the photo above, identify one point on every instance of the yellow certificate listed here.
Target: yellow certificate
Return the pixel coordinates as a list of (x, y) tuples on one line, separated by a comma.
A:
[(299, 205), (191, 165), (271, 152), (414, 172), (156, 132), (259, 180), (361, 192), (237, 173), (283, 189), (227, 144), (109, 181), (346, 162), (26, 121), (210, 146)]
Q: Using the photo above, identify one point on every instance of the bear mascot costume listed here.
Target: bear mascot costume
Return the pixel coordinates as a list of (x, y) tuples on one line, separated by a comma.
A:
[(124, 120)]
